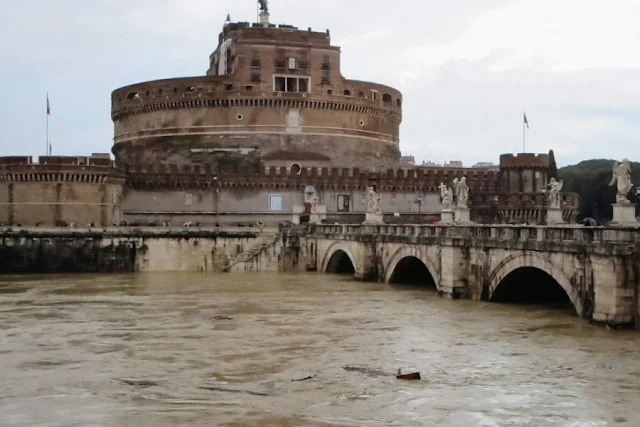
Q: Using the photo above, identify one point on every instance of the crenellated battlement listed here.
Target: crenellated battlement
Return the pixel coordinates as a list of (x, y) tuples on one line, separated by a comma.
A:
[(426, 180), (217, 92), (94, 170)]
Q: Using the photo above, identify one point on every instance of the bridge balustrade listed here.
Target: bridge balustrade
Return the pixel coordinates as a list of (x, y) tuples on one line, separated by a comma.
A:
[(492, 232)]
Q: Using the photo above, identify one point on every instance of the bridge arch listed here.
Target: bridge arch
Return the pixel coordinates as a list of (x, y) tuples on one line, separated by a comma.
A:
[(532, 260), (405, 253), (333, 254)]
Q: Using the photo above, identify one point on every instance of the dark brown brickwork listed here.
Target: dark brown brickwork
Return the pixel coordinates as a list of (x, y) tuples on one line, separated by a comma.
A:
[(282, 91)]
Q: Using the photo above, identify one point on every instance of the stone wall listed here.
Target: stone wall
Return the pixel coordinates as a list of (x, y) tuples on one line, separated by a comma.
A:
[(49, 203), (82, 190), (137, 250), (230, 206)]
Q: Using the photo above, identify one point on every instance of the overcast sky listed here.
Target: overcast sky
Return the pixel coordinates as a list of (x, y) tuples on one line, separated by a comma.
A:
[(467, 68)]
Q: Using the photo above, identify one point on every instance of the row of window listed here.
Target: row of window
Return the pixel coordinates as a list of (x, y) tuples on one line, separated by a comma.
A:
[(291, 84), (275, 203)]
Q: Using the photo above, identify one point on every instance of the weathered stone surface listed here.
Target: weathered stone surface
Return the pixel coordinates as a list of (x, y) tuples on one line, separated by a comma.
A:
[(136, 250), (596, 267), (624, 215)]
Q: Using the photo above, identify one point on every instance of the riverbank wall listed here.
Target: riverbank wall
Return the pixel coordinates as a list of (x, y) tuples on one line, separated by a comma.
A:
[(152, 249)]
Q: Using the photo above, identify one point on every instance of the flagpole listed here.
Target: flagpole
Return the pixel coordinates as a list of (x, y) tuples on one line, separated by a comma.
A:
[(523, 137), (46, 146)]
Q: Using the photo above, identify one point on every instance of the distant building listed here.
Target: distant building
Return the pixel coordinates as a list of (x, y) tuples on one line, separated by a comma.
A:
[(454, 164), (407, 161), (485, 165)]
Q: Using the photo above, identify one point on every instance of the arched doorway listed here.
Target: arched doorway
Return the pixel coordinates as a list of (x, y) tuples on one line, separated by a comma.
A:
[(413, 272), (532, 286), (340, 263)]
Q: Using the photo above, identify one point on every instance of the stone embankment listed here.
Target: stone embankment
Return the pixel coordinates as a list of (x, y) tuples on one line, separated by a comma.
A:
[(129, 250)]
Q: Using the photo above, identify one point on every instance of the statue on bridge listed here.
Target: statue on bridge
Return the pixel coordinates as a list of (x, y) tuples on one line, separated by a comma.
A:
[(264, 5), (373, 201), (462, 192), (447, 196), (622, 179), (315, 201), (373, 212), (554, 193)]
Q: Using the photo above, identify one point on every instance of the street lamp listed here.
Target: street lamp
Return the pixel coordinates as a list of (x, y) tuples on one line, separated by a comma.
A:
[(216, 200), (419, 202)]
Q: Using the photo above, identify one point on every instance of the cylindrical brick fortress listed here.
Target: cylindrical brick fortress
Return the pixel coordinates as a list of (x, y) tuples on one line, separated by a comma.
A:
[(273, 95)]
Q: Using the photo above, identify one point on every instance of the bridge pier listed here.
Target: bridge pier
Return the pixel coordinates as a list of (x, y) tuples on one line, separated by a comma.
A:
[(615, 291), (454, 272)]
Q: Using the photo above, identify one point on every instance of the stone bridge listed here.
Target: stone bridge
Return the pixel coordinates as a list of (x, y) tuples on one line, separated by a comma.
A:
[(596, 269)]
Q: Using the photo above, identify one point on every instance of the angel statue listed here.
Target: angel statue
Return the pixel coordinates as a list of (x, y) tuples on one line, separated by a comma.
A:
[(462, 192), (554, 193), (447, 196), (314, 200), (622, 179), (372, 201)]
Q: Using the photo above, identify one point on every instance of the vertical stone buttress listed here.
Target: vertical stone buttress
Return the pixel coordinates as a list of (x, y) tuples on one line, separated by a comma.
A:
[(57, 210), (11, 215), (104, 201), (454, 274)]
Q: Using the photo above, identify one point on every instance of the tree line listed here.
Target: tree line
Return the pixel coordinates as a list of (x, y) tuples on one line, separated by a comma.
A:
[(590, 179)]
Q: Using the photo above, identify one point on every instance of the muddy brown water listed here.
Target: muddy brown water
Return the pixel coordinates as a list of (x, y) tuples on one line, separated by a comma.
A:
[(197, 350)]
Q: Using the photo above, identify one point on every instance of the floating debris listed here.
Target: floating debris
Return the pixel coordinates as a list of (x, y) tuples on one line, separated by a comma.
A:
[(372, 372), (408, 374), (139, 383), (229, 390), (310, 377), (222, 318)]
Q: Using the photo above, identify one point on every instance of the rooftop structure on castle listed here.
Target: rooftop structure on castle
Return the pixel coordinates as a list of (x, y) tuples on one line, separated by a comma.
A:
[(272, 96)]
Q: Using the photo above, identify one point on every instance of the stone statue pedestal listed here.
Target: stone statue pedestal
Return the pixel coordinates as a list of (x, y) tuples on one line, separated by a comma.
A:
[(446, 217), (624, 215), (373, 218), (554, 216), (318, 214), (462, 216), (297, 211)]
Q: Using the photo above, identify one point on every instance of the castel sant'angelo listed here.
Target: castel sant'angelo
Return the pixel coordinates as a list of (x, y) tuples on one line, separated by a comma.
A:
[(272, 125)]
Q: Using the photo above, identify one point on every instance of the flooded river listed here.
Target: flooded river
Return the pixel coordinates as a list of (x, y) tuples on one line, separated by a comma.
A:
[(195, 350)]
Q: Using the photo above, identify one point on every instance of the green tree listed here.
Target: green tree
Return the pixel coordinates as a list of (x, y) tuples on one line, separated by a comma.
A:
[(590, 179)]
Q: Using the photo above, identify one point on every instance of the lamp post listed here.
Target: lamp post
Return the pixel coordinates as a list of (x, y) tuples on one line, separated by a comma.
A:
[(215, 200), (419, 202)]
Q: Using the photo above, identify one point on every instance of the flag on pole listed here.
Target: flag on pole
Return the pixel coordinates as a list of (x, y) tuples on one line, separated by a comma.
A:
[(526, 122), (48, 106)]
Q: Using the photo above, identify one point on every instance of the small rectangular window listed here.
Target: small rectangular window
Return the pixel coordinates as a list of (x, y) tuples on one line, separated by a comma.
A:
[(374, 95), (343, 203), (326, 77), (275, 202), (279, 84)]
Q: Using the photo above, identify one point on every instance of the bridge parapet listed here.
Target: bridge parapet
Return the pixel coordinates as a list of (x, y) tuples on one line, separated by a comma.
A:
[(513, 233)]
